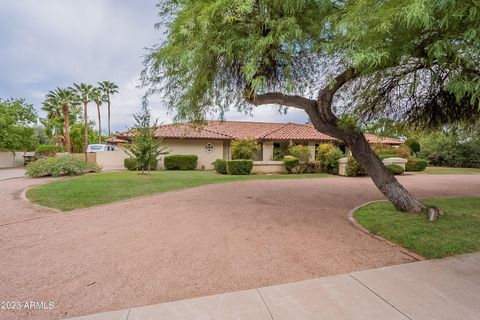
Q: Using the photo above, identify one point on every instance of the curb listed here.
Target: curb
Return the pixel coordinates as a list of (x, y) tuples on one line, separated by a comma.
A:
[(409, 253)]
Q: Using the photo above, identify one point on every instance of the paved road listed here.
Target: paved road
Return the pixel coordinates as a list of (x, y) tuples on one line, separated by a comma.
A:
[(437, 289), (206, 240)]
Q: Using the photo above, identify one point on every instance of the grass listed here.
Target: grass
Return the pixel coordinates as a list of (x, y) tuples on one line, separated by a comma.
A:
[(456, 232), (95, 189), (443, 170)]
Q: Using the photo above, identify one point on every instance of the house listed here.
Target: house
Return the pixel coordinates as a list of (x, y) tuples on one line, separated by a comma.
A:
[(212, 140)]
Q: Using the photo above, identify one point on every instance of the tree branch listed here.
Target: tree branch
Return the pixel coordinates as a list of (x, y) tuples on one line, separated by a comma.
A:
[(282, 99)]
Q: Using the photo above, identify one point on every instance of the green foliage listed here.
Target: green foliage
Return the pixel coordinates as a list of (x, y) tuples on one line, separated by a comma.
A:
[(180, 162), (17, 119), (354, 169), (220, 166), (414, 164), (244, 149), (59, 166), (328, 154), (457, 147), (132, 165), (387, 155), (414, 146), (291, 163), (47, 150), (145, 147), (395, 169), (302, 153), (239, 167), (219, 52), (385, 127), (278, 154)]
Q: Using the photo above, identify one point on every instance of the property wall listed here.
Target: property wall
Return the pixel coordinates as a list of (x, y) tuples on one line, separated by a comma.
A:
[(196, 147), (6, 159), (112, 160), (268, 167)]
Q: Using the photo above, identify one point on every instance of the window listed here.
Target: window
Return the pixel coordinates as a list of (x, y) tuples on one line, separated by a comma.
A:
[(209, 147)]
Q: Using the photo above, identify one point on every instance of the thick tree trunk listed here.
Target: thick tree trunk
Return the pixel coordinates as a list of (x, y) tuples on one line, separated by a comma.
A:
[(401, 198), (85, 132), (99, 125), (66, 128)]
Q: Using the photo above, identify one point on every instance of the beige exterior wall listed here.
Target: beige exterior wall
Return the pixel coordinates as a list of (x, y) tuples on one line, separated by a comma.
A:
[(112, 160), (267, 150), (196, 147)]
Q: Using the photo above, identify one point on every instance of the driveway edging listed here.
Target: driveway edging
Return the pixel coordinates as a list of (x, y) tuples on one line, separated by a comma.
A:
[(412, 254)]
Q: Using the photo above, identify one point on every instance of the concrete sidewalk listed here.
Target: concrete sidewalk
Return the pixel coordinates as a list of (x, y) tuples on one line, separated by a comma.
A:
[(435, 289), (10, 173)]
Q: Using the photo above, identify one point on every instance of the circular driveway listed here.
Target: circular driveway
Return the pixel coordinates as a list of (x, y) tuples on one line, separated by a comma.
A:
[(194, 242)]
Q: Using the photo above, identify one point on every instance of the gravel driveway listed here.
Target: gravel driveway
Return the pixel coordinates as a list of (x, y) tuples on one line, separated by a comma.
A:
[(189, 243)]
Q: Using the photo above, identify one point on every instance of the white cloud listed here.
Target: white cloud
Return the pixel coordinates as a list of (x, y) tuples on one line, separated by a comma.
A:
[(52, 43)]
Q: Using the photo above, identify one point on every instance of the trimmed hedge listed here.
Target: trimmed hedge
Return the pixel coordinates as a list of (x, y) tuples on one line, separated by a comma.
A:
[(220, 166), (181, 162), (290, 163), (131, 164), (59, 166), (239, 167), (395, 169), (354, 169), (416, 164)]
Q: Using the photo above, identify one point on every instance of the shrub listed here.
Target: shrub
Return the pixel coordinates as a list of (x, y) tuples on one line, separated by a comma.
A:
[(47, 150), (181, 162), (314, 167), (403, 151), (290, 163), (239, 166), (380, 148), (328, 155), (302, 153), (354, 169), (387, 155), (244, 149), (278, 154), (220, 166), (59, 166), (414, 146), (414, 164), (132, 164), (395, 169)]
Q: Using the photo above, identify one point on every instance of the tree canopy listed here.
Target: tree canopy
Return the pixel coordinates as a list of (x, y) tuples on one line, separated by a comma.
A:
[(17, 120), (415, 60)]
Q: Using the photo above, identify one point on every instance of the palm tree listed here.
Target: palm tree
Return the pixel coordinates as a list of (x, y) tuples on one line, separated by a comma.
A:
[(99, 98), (109, 88), (84, 92), (62, 99)]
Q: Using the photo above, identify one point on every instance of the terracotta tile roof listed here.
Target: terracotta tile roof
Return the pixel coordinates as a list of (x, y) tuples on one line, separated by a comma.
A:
[(229, 130), (294, 131), (372, 138)]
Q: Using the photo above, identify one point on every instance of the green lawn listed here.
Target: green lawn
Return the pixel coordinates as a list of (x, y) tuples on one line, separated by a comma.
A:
[(456, 232), (442, 170), (95, 189)]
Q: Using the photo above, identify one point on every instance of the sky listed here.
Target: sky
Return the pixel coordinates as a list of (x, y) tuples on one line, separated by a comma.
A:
[(54, 43)]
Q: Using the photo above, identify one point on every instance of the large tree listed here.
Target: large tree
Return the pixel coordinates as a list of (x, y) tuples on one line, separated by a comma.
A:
[(84, 92), (17, 120), (337, 60), (99, 98), (64, 100), (109, 88)]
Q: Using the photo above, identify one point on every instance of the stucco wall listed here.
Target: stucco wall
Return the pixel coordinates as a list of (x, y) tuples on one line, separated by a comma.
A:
[(196, 147), (112, 160)]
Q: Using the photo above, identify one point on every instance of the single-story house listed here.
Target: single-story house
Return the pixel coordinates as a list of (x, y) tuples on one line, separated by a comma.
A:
[(212, 140)]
